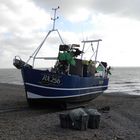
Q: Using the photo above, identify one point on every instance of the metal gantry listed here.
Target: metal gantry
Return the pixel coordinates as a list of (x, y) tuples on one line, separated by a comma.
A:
[(55, 17), (91, 41)]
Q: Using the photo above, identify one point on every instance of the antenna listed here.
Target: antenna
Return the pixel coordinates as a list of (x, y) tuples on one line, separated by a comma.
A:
[(54, 18)]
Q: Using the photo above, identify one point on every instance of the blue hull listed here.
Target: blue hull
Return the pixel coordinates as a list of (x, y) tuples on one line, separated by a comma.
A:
[(41, 84)]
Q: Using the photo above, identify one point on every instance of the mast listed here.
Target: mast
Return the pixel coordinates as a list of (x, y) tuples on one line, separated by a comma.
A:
[(50, 31), (54, 20), (54, 17)]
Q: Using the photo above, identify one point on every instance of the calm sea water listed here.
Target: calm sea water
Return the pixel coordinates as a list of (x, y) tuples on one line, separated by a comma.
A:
[(122, 80), (125, 80)]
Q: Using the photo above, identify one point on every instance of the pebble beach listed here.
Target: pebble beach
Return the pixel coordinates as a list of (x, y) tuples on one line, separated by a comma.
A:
[(20, 122)]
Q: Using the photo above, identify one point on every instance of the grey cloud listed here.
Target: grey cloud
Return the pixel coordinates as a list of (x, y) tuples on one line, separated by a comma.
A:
[(20, 28), (126, 8)]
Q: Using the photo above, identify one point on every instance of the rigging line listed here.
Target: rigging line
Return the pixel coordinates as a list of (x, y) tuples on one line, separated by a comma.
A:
[(82, 32), (92, 50), (38, 48), (87, 49)]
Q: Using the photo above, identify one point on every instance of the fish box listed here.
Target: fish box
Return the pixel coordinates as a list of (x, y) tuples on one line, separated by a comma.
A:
[(65, 121), (81, 123), (94, 118), (79, 119)]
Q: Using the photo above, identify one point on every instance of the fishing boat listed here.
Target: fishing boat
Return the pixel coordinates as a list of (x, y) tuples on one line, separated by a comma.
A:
[(72, 79)]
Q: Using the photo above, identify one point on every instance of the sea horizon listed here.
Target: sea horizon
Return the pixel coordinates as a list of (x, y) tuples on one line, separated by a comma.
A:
[(123, 80)]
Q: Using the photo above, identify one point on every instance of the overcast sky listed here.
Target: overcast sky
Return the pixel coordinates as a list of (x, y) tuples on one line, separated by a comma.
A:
[(24, 24)]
